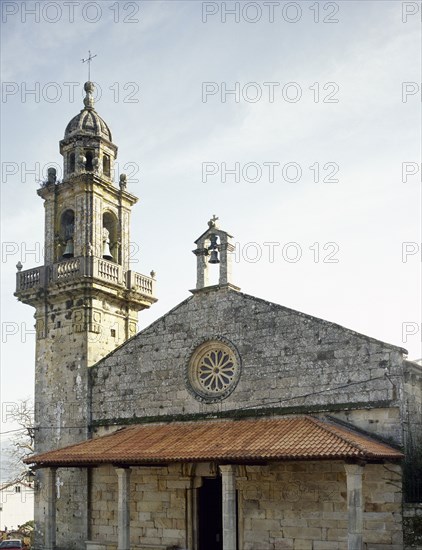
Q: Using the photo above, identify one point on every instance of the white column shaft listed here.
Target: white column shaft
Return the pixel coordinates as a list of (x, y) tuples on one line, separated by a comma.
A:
[(229, 507), (123, 508), (354, 474), (50, 516)]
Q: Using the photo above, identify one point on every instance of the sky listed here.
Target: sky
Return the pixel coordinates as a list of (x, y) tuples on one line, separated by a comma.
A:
[(296, 123)]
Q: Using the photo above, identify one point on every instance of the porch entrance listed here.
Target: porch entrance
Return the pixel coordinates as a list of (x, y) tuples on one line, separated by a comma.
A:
[(210, 519)]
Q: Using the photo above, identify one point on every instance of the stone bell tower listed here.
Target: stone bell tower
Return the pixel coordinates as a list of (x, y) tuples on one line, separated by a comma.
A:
[(214, 246), (86, 301)]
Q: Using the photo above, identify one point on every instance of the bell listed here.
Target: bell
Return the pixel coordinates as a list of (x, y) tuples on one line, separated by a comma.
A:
[(214, 257), (68, 251), (106, 250)]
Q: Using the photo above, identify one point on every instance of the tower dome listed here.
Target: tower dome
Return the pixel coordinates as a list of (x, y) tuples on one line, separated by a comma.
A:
[(88, 121), (87, 145)]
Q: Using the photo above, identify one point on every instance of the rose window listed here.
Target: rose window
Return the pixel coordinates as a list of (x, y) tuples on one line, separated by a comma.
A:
[(216, 370), (213, 370)]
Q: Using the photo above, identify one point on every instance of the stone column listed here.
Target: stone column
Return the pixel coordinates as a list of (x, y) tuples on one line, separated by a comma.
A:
[(229, 507), (226, 250), (123, 508), (201, 268), (354, 474), (193, 514), (50, 509)]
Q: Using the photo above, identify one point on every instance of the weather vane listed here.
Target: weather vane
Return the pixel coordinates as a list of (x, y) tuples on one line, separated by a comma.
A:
[(89, 59)]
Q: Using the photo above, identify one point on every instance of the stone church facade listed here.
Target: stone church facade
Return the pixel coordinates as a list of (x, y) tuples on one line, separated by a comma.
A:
[(231, 423)]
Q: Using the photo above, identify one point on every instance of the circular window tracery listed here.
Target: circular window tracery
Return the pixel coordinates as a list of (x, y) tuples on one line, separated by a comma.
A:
[(213, 370)]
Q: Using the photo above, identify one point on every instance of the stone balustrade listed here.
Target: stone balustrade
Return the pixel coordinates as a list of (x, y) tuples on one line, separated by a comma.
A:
[(69, 269), (142, 283), (31, 278), (108, 271), (74, 269)]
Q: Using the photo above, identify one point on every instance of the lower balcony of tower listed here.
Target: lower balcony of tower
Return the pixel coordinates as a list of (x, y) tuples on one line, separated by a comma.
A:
[(97, 273)]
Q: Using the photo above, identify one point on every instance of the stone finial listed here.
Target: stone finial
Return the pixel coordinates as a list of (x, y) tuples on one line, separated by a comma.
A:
[(51, 175), (89, 87), (153, 274), (123, 182), (19, 266)]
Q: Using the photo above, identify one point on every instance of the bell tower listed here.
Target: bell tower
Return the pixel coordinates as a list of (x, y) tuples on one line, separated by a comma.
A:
[(214, 246), (86, 301)]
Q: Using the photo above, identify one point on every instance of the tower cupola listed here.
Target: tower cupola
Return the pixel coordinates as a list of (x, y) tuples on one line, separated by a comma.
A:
[(87, 145)]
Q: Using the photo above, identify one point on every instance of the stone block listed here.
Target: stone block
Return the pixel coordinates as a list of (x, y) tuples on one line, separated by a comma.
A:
[(326, 545), (302, 533), (299, 544)]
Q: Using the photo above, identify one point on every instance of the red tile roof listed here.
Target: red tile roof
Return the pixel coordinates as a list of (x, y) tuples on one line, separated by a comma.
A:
[(298, 438)]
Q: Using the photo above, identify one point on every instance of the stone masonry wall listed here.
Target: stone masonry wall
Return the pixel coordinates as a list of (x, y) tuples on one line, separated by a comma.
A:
[(303, 506), (157, 508), (72, 334), (290, 361), (284, 506)]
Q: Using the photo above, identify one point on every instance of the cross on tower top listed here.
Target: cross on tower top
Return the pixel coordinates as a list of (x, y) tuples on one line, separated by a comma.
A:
[(213, 221), (88, 60)]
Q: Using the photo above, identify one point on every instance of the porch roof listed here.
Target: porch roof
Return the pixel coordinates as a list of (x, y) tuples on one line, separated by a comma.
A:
[(257, 440)]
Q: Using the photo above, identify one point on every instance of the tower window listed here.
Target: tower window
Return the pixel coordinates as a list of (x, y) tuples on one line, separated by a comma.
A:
[(106, 165), (110, 237), (88, 165), (67, 224), (71, 163), (67, 228)]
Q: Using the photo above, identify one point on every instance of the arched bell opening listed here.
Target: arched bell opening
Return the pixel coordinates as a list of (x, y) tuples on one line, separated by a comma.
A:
[(71, 163), (67, 229), (89, 165), (213, 259), (106, 165), (110, 249)]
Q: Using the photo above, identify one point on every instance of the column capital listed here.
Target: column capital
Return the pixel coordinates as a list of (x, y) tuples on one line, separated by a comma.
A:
[(354, 469), (121, 470), (227, 469)]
